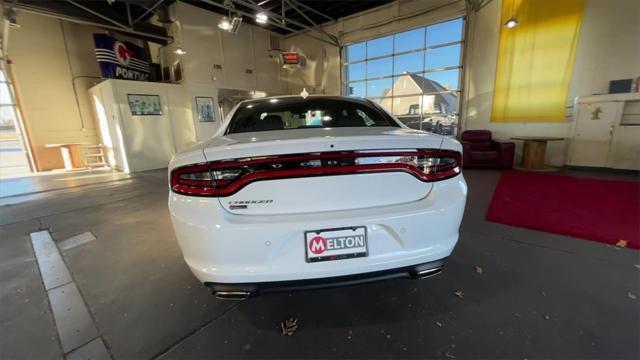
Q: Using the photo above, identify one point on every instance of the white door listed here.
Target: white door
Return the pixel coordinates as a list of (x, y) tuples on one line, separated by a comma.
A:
[(594, 127)]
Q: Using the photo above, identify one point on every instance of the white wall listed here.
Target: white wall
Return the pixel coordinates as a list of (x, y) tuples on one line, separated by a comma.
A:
[(608, 49), (54, 65), (609, 46), (46, 73), (197, 33), (204, 130), (148, 141), (321, 74), (49, 58)]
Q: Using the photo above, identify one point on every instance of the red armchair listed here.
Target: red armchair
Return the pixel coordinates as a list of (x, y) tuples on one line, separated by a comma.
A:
[(479, 150)]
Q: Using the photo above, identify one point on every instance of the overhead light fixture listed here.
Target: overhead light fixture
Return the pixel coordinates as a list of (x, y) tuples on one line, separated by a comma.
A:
[(235, 24), (261, 18), (12, 17), (511, 23), (225, 24), (230, 23), (179, 51)]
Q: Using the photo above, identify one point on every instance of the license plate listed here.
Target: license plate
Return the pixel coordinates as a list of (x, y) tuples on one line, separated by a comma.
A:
[(335, 244)]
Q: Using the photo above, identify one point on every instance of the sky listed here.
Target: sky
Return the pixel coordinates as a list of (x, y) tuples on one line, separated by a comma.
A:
[(432, 35), (6, 112)]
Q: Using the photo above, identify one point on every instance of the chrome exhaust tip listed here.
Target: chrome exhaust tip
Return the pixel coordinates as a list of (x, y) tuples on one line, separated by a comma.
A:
[(232, 295), (423, 274)]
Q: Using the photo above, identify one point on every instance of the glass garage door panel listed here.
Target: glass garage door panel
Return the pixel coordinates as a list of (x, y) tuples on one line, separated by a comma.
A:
[(409, 40), (443, 57), (379, 88), (379, 68), (411, 62), (356, 71), (448, 80), (356, 52), (380, 47), (446, 32), (415, 74), (408, 109), (14, 160), (357, 89)]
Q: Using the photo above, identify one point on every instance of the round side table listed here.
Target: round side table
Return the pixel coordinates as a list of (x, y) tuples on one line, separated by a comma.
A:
[(533, 154)]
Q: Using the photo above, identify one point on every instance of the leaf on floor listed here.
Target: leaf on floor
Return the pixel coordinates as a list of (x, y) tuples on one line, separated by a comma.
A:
[(459, 293), (438, 323), (637, 266), (621, 243), (631, 295), (289, 326), (478, 269)]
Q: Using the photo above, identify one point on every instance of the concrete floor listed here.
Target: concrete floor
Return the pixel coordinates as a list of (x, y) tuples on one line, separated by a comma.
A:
[(539, 295), (54, 180)]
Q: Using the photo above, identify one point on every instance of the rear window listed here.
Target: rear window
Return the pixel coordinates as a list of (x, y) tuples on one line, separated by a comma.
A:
[(298, 113)]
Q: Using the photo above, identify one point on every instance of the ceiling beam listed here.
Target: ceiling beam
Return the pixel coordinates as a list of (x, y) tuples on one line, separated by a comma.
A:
[(316, 27), (291, 3), (129, 21), (270, 22), (95, 13), (153, 7), (304, 6), (43, 12), (333, 39)]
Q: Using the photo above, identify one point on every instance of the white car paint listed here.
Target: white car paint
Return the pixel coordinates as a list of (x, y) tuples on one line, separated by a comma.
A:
[(408, 221)]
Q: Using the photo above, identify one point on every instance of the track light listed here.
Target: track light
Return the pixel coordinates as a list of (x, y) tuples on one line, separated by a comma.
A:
[(235, 24), (12, 17), (224, 24), (261, 18), (511, 23), (179, 51), (232, 25)]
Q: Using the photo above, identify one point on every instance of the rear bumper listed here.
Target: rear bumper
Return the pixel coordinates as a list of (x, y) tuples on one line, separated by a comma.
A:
[(244, 290), (224, 248)]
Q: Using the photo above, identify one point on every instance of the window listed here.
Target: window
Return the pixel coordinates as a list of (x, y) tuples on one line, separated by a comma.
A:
[(297, 113), (414, 74), (14, 158)]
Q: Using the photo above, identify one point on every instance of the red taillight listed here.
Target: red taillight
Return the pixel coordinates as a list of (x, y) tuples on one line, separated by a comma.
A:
[(226, 177)]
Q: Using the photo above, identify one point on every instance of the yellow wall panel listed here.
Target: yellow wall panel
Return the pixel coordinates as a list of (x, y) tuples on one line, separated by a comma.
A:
[(535, 60)]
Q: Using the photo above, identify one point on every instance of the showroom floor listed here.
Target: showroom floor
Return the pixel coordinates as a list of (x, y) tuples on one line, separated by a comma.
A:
[(54, 180), (505, 292)]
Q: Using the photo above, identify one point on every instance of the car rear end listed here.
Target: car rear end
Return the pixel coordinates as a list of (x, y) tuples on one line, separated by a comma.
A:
[(290, 208)]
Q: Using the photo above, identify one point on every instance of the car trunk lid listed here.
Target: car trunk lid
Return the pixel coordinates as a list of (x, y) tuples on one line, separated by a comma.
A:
[(297, 159)]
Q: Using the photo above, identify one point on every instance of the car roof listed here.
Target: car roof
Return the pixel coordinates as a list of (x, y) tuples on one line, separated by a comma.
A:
[(310, 97)]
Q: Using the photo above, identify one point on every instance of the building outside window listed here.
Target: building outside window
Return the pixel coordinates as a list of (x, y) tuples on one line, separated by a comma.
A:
[(414, 74), (14, 159)]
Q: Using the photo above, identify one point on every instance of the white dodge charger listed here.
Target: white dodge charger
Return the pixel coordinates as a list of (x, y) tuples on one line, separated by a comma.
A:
[(298, 193)]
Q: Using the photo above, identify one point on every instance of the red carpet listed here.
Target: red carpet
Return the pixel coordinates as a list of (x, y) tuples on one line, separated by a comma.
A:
[(601, 210)]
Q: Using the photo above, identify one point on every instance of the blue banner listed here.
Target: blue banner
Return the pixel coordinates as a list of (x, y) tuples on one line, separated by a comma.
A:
[(121, 59)]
